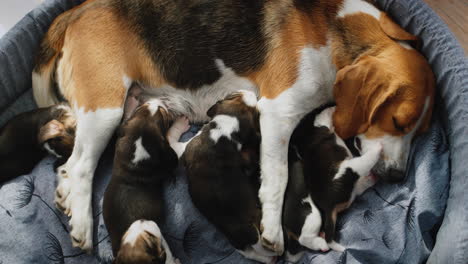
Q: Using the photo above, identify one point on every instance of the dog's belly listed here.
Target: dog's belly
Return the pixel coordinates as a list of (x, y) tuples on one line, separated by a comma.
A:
[(194, 103)]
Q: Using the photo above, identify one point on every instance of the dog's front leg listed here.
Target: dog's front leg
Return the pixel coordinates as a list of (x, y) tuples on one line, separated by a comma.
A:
[(74, 193), (277, 122)]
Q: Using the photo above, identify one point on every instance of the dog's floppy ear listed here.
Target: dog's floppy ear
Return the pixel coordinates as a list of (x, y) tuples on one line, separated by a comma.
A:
[(360, 89), (394, 31), (50, 130)]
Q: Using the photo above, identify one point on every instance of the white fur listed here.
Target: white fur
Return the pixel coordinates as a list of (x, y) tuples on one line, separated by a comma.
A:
[(195, 103), (140, 226), (405, 45), (351, 7), (51, 151), (41, 88), (309, 237), (127, 82), (225, 126), (94, 129), (154, 104), (396, 148), (278, 118), (140, 152), (325, 118), (180, 126), (249, 98), (336, 247)]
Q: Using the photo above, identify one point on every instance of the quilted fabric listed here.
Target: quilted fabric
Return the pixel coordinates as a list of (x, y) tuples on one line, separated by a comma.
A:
[(424, 217)]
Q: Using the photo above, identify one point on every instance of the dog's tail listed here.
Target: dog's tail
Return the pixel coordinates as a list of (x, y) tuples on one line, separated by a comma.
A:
[(45, 88)]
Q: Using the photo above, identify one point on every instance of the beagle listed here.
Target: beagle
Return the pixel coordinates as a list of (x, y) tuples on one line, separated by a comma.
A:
[(132, 204), (326, 177), (29, 136), (294, 54)]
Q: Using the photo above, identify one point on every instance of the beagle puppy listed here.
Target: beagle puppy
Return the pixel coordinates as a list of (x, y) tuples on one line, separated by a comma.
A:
[(294, 54), (221, 162), (325, 177), (133, 202), (29, 136)]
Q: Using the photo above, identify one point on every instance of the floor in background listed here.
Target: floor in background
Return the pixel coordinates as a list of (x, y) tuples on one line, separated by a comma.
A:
[(455, 15), (11, 11)]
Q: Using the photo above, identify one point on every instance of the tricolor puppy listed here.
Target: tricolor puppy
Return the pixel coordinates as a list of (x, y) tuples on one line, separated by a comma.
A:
[(28, 137), (331, 175), (133, 199), (223, 172), (294, 54)]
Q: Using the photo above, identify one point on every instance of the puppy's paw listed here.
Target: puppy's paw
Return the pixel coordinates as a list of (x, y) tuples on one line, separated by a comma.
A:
[(314, 242), (272, 240), (181, 124), (336, 246)]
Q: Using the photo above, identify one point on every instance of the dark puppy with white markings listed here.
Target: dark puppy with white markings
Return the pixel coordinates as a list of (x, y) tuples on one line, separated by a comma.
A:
[(223, 171), (29, 136), (133, 199), (332, 176)]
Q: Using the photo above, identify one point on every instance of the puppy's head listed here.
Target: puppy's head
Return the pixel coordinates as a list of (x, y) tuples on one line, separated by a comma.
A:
[(58, 135), (243, 106), (149, 125), (386, 97), (142, 244)]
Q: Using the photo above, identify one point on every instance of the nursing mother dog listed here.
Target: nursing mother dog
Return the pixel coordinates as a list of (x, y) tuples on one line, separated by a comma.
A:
[(193, 53)]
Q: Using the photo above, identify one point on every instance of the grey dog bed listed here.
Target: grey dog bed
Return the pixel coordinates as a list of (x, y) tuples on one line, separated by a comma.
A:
[(423, 218)]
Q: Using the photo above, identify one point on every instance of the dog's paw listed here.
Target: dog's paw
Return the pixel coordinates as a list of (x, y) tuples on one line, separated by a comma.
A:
[(336, 246), (181, 124), (272, 240), (63, 190), (314, 242), (81, 223)]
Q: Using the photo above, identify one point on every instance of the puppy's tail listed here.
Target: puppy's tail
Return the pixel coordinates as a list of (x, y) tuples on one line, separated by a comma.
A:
[(45, 88)]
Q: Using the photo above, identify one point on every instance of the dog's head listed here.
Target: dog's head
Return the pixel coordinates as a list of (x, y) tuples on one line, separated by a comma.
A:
[(243, 106), (386, 97), (142, 244), (58, 135), (149, 125)]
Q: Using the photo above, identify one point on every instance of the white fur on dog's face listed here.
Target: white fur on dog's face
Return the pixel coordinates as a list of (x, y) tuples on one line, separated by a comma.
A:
[(138, 228), (395, 148)]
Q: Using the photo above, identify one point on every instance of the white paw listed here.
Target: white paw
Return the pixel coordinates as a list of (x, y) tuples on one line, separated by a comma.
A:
[(63, 190), (336, 247), (272, 239), (314, 243), (81, 221), (181, 125)]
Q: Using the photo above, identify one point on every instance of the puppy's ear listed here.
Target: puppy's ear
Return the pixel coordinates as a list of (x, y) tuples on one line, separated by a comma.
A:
[(329, 225), (360, 89), (50, 130), (395, 31), (213, 110)]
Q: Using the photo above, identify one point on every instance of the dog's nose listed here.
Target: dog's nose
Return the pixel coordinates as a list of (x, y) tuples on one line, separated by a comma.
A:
[(394, 175)]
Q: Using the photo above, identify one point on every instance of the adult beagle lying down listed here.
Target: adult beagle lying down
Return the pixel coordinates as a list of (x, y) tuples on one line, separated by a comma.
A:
[(294, 54)]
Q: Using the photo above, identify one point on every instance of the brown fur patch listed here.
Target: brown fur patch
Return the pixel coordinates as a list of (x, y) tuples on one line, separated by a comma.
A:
[(289, 35), (146, 249), (94, 64), (381, 87)]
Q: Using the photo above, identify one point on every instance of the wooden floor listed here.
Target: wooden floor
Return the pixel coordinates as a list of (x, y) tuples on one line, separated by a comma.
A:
[(455, 15)]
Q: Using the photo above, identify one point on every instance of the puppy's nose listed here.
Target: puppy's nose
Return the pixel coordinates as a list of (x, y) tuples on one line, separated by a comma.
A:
[(394, 175)]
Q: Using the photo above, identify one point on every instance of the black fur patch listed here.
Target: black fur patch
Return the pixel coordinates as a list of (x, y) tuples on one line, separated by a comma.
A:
[(186, 37)]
